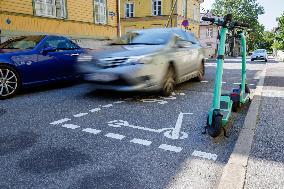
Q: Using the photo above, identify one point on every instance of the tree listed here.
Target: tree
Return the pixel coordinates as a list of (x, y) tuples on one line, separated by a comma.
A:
[(267, 41), (279, 39), (246, 11)]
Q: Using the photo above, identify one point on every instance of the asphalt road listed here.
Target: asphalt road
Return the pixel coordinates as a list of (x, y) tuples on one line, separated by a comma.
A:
[(70, 136)]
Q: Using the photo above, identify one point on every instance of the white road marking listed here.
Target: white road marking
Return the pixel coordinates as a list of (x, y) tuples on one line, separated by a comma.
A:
[(95, 110), (252, 84), (237, 83), (182, 94), (70, 126), (141, 141), (170, 148), (163, 102), (169, 98), (118, 102), (204, 155), (80, 114), (93, 131), (107, 106), (173, 93), (224, 82), (60, 121), (204, 81), (115, 136), (175, 133)]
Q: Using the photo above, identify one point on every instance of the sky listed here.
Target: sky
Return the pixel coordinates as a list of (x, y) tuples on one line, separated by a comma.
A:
[(273, 9)]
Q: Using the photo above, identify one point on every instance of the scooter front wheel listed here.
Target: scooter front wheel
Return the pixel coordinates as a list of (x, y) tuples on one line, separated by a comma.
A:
[(215, 128)]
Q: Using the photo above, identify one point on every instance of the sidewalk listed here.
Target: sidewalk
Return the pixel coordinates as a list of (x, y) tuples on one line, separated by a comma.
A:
[(266, 160)]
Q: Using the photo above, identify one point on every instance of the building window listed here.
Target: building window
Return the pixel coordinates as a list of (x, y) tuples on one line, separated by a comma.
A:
[(209, 32), (157, 7), (100, 11), (129, 10), (184, 8), (50, 8), (208, 45)]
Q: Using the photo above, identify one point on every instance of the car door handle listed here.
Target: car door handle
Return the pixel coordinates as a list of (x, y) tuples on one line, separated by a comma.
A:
[(75, 54)]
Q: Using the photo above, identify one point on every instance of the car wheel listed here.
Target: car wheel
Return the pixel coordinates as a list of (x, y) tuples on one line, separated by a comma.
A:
[(169, 82), (265, 60), (201, 72), (9, 82), (252, 59)]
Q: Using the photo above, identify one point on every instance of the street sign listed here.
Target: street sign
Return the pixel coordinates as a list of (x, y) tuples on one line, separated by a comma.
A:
[(185, 23)]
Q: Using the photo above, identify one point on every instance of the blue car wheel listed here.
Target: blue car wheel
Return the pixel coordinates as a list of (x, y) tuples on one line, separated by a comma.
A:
[(9, 82)]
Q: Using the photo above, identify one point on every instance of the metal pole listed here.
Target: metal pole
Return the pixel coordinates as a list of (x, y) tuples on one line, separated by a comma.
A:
[(118, 19)]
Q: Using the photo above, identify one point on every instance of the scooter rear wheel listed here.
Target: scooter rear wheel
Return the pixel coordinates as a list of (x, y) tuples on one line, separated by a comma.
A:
[(215, 128)]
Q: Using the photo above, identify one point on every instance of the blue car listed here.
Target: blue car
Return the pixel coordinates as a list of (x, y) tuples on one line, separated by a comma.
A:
[(36, 60)]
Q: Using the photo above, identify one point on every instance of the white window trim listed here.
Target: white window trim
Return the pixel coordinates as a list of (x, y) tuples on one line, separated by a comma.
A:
[(157, 6), (102, 6), (53, 5), (129, 3), (209, 32)]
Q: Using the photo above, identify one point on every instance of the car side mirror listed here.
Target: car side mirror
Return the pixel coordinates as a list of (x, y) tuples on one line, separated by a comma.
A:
[(46, 50)]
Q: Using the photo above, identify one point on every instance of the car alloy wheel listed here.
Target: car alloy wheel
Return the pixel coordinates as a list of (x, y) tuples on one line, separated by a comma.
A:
[(169, 82), (9, 82)]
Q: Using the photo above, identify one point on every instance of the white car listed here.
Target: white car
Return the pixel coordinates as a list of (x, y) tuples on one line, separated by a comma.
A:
[(259, 54)]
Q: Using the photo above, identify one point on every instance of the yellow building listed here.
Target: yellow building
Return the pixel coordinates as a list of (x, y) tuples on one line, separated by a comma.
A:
[(139, 14), (75, 18)]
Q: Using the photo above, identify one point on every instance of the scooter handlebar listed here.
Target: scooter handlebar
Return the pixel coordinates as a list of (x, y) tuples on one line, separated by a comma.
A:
[(208, 19), (240, 24)]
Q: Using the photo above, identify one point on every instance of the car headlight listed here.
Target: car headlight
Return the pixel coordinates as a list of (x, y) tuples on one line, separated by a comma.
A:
[(139, 60), (85, 58)]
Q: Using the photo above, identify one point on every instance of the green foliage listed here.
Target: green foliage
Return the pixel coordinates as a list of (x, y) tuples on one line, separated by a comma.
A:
[(267, 41), (246, 11), (279, 39)]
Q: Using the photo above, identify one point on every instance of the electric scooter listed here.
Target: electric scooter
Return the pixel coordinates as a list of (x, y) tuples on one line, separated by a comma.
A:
[(226, 103)]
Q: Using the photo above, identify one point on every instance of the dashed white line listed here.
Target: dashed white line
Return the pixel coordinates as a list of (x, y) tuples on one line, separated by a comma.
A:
[(224, 82), (237, 83), (93, 131), (80, 114), (118, 102), (95, 110), (115, 136), (204, 155), (70, 126), (60, 121), (204, 81), (141, 141), (182, 94), (252, 84), (170, 148), (107, 106)]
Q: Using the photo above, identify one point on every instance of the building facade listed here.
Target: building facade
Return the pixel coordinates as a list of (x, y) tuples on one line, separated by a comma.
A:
[(75, 18), (140, 14)]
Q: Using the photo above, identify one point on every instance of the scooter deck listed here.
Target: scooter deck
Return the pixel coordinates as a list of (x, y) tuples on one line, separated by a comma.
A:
[(225, 108)]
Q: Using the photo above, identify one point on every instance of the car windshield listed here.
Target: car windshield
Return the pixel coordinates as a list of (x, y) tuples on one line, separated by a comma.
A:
[(260, 51), (147, 38), (28, 42)]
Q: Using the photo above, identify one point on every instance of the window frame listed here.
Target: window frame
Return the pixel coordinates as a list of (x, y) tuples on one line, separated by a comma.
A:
[(209, 32), (63, 9), (100, 7), (156, 7), (126, 13)]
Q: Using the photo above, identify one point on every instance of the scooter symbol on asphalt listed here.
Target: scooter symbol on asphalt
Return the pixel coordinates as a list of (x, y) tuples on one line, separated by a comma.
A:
[(173, 133)]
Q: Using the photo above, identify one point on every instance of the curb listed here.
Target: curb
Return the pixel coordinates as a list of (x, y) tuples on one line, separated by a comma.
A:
[(234, 172)]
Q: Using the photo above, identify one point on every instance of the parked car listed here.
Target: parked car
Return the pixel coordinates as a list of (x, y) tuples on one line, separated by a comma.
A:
[(35, 60), (145, 60), (259, 54)]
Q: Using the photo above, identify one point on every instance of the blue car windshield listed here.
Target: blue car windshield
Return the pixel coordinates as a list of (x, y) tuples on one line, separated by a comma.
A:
[(151, 38), (28, 42)]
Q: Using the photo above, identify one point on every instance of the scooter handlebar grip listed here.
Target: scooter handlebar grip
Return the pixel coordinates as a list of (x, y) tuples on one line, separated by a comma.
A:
[(208, 19), (242, 24)]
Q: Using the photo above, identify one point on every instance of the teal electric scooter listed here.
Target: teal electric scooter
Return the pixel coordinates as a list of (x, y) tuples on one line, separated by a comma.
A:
[(225, 103)]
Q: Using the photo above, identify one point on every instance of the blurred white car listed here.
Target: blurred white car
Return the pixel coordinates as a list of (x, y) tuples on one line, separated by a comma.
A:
[(259, 54)]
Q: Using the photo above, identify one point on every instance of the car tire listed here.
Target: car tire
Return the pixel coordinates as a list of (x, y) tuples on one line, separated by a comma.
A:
[(169, 82), (9, 82), (265, 60), (201, 72), (252, 59)]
